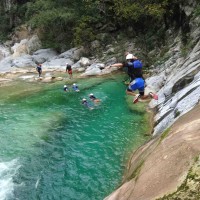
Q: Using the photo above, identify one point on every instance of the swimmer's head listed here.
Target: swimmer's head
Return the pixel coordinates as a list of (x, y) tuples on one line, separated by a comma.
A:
[(65, 86), (74, 84), (91, 95), (84, 99)]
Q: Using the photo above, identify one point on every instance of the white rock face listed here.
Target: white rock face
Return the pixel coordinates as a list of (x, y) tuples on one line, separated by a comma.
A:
[(84, 62), (20, 49), (4, 52), (26, 46), (6, 65), (181, 90)]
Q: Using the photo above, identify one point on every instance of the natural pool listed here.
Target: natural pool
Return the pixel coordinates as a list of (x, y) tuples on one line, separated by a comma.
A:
[(52, 147)]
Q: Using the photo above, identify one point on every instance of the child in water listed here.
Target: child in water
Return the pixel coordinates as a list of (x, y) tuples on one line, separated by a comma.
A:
[(93, 98), (65, 88), (86, 103), (75, 88)]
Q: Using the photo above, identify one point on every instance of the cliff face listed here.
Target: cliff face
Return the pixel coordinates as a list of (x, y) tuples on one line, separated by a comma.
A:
[(167, 167), (160, 167)]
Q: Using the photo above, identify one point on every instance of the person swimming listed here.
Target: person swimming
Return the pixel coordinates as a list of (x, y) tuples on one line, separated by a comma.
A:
[(93, 98), (65, 88), (86, 103), (75, 88)]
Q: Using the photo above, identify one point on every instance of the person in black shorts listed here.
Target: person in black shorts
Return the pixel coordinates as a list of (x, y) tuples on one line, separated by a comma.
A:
[(39, 69)]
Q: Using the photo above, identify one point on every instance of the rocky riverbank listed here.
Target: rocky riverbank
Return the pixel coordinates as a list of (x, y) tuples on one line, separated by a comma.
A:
[(166, 165)]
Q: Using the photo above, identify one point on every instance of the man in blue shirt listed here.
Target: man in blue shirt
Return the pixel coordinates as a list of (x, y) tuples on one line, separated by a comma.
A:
[(139, 84)]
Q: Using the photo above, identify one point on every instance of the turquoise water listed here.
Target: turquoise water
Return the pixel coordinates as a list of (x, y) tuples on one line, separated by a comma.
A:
[(52, 147)]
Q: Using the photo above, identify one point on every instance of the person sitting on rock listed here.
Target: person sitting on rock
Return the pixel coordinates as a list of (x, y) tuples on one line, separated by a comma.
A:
[(139, 84)]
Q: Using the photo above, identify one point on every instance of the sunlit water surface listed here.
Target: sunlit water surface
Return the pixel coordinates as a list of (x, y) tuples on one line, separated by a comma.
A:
[(52, 147)]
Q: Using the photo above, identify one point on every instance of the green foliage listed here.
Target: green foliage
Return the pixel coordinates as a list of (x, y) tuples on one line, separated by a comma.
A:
[(54, 20), (197, 11), (83, 33), (164, 134), (65, 21), (135, 12)]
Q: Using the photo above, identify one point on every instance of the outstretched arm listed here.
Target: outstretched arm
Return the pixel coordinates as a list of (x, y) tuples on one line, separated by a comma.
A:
[(119, 65)]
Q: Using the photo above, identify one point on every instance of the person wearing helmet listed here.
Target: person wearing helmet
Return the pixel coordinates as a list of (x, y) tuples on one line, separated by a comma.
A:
[(86, 103), (69, 70), (133, 65), (75, 88), (39, 69), (139, 84), (93, 98), (65, 88)]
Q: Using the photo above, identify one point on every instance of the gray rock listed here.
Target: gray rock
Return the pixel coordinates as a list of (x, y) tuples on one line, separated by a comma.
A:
[(43, 55), (24, 62)]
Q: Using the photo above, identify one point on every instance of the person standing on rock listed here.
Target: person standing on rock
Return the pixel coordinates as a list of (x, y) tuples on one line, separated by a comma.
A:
[(69, 70), (39, 69)]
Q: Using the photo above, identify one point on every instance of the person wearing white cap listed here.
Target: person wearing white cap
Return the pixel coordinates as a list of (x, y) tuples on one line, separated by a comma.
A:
[(69, 70), (75, 87), (93, 98), (133, 65), (86, 103), (65, 88)]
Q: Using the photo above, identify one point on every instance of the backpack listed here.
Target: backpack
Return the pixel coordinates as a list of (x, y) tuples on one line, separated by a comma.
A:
[(137, 64)]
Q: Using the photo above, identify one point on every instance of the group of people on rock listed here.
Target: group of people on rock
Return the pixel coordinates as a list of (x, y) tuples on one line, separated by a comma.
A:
[(68, 69), (136, 79)]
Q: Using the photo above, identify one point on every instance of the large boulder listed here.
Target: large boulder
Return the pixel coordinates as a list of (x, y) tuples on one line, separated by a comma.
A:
[(84, 62), (20, 49), (26, 46), (57, 63), (73, 54), (24, 61), (33, 44), (92, 72), (44, 55)]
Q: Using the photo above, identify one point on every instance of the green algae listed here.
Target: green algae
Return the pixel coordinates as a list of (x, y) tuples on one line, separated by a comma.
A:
[(190, 188)]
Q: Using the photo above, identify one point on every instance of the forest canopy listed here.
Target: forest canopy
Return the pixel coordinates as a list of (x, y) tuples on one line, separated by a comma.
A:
[(76, 22)]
